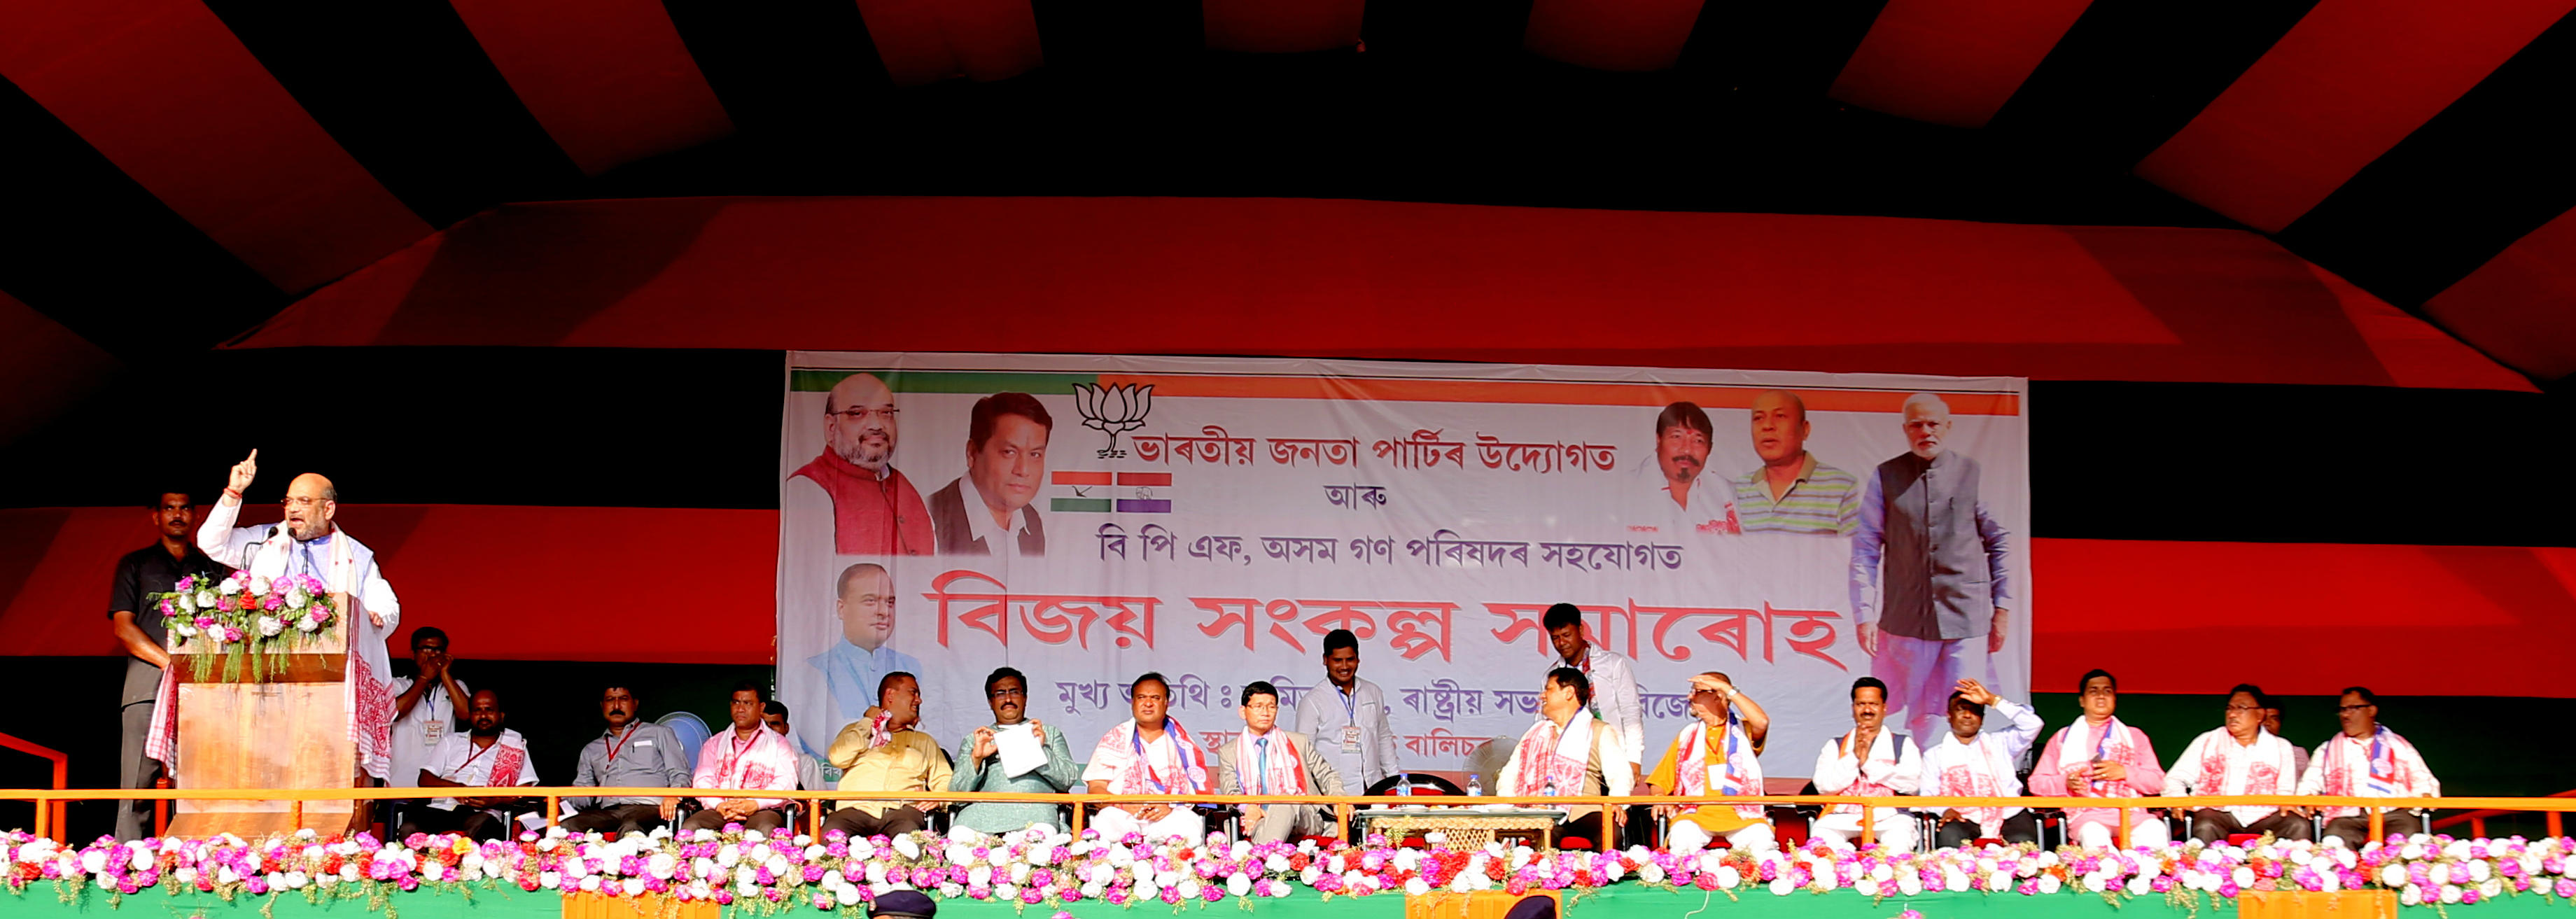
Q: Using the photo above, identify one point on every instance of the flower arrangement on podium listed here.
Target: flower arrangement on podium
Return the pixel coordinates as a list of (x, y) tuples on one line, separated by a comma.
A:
[(240, 621)]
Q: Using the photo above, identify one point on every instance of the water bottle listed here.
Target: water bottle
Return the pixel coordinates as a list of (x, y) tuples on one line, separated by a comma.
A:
[(1550, 790), (1404, 784), (1475, 786)]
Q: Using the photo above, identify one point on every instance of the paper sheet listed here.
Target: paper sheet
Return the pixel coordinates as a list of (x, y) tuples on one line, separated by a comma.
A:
[(1020, 750)]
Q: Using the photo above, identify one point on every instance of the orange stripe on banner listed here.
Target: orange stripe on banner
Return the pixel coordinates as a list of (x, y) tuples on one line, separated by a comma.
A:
[(1068, 477), (1528, 392), (1144, 478)]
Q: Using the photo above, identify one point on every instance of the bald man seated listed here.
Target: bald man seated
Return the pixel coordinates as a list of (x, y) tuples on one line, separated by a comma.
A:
[(308, 542)]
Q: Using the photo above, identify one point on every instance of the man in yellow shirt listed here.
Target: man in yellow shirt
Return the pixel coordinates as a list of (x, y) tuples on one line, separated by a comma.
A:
[(883, 751), (1715, 756)]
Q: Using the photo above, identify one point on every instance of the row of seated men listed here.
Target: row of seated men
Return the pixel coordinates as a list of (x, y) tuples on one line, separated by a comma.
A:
[(2096, 757), (1563, 752)]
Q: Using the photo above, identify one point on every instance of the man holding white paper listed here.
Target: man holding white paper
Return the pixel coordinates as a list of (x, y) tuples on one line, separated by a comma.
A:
[(1014, 753)]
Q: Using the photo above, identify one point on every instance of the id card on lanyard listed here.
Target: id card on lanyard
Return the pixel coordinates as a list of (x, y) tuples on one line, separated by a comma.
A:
[(431, 729)]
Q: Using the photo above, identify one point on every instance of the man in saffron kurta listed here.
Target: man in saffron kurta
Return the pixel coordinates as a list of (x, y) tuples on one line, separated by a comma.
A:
[(1715, 756), (2367, 760), (2239, 758), (748, 758), (1265, 760), (871, 507), (1149, 754), (2099, 757)]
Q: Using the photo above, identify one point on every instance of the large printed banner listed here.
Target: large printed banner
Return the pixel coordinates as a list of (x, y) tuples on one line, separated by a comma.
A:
[(1086, 519)]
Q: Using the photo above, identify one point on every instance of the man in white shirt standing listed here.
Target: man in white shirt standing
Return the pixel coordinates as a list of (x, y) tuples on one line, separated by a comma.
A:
[(487, 756), (426, 707), (1868, 760), (1347, 716), (2239, 758), (1976, 758)]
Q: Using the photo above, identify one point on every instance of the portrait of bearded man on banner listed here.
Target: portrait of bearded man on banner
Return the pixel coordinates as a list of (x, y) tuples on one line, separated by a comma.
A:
[(874, 508)]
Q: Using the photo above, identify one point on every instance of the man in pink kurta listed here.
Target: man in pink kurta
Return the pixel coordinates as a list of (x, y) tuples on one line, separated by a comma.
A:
[(2099, 757), (750, 757)]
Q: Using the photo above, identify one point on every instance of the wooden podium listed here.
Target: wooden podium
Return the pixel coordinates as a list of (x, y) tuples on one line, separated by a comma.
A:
[(286, 729)]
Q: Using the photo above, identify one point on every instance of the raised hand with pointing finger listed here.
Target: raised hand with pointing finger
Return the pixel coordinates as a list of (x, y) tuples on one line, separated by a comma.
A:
[(243, 473)]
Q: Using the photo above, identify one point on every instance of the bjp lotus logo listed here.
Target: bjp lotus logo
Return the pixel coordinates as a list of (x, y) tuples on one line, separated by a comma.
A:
[(1113, 410)]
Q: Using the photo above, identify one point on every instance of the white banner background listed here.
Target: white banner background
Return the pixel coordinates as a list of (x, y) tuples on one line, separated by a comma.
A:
[(1429, 631)]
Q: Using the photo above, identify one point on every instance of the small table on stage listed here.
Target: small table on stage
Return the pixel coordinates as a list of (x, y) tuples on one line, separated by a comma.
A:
[(1467, 826)]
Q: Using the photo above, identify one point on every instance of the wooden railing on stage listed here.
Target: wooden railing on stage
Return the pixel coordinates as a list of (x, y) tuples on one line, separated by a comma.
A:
[(552, 796), (62, 779), (2477, 819)]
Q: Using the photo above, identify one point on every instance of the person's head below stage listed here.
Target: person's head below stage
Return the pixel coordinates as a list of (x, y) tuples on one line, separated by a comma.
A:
[(1007, 691), (2244, 717), (899, 693), (774, 715), (903, 904), (1149, 699), (1967, 717), (2098, 695), (311, 502), (864, 601), (1260, 707), (1006, 444), (174, 519), (1868, 706), (749, 706), (1342, 658), (1927, 424), (484, 717), (1564, 623), (1565, 694), (617, 705), (1780, 429), (2358, 711), (858, 422), (1682, 437)]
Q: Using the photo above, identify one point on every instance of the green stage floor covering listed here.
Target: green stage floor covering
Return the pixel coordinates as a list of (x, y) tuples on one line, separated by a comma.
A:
[(41, 902)]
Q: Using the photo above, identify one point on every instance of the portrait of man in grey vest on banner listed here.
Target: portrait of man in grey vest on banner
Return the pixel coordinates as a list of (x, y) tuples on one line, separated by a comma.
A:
[(1930, 589)]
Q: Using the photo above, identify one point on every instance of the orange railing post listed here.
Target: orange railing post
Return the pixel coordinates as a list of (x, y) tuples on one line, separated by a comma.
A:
[(161, 808), (49, 813)]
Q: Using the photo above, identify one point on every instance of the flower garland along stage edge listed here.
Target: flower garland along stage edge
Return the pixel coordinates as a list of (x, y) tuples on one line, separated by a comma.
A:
[(1045, 868), (239, 618)]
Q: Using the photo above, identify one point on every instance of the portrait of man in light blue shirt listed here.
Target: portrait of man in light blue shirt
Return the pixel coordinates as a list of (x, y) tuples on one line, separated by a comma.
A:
[(864, 601)]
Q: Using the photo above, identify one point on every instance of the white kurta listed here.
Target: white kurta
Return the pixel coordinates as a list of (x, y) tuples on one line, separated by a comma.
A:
[(348, 567)]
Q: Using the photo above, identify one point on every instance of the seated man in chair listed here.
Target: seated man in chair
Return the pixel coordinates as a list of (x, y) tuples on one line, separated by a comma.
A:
[(2240, 758), (1975, 760), (487, 756), (1149, 754), (885, 751), (1716, 756), (1265, 760), (2368, 760), (1868, 760), (748, 758), (1571, 751)]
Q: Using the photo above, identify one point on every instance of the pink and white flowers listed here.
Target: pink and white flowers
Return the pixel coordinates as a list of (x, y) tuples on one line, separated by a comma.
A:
[(233, 618), (1040, 867)]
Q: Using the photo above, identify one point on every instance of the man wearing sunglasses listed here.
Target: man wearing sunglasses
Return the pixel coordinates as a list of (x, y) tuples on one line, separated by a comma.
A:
[(873, 508), (979, 762)]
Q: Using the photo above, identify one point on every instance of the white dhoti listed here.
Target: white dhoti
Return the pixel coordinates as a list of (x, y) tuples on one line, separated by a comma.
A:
[(1686, 836), (1894, 829), (1184, 821)]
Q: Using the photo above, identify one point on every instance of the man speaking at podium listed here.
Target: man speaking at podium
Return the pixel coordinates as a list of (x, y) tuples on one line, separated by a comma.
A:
[(307, 542)]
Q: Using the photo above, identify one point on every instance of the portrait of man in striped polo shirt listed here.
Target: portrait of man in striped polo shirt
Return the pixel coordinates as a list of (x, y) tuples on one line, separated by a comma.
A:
[(1792, 492)]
